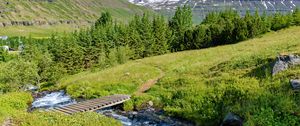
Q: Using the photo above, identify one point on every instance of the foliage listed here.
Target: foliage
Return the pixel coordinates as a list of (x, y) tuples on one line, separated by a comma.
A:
[(296, 16), (59, 119), (14, 106), (19, 72), (13, 103), (128, 105)]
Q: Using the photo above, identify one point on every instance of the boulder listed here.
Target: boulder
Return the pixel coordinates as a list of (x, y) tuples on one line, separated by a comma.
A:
[(31, 88), (283, 62), (232, 120), (295, 84)]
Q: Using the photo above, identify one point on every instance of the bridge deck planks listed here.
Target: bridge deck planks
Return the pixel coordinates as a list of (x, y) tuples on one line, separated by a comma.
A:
[(94, 104)]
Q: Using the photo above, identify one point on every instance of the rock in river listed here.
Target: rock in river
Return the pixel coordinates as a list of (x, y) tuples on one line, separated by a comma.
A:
[(31, 88), (232, 120)]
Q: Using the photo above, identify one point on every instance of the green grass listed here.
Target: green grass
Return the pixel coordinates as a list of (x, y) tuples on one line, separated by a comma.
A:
[(123, 79), (60, 119), (204, 85), (68, 10), (13, 103), (37, 31)]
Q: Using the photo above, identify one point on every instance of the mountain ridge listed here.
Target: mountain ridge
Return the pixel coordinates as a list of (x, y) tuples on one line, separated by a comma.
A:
[(51, 12), (202, 7)]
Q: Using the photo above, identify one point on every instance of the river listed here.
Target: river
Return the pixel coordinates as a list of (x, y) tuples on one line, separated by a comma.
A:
[(146, 117)]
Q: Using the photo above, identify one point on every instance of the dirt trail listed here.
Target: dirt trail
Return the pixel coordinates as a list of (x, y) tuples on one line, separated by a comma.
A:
[(147, 85), (7, 122)]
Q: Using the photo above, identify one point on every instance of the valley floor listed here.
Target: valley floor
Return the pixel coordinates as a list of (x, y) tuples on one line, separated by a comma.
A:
[(38, 31)]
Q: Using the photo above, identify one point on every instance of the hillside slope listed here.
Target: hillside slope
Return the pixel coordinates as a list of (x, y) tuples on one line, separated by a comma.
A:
[(56, 10), (204, 85), (32, 13)]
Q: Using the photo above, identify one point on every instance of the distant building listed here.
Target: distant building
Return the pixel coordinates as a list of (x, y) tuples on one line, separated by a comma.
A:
[(3, 37)]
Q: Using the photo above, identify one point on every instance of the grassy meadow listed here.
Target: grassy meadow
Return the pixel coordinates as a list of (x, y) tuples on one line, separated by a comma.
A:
[(204, 85), (37, 31)]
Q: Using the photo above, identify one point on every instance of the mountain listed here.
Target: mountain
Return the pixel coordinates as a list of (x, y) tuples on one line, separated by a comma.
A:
[(202, 7), (41, 12), (40, 18)]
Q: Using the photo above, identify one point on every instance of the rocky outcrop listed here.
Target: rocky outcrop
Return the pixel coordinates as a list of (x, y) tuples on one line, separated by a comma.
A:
[(283, 62), (232, 120), (151, 117), (295, 84)]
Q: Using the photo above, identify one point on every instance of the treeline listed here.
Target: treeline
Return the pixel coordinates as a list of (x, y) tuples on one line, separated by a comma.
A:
[(108, 42)]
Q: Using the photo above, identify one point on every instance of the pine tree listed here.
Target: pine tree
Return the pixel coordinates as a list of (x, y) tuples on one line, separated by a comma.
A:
[(188, 40), (228, 21), (67, 52), (201, 37), (257, 24), (160, 33), (278, 22), (240, 31), (181, 22), (266, 23), (146, 34), (212, 17), (105, 19), (135, 41), (89, 47), (250, 25), (296, 16)]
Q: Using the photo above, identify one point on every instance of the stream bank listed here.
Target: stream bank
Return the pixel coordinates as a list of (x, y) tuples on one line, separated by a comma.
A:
[(146, 117)]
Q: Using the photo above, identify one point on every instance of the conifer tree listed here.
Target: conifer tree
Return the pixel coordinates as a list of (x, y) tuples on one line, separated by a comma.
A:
[(250, 25), (181, 22), (257, 24), (105, 19), (296, 16), (135, 41), (266, 23), (278, 22), (201, 37), (146, 34), (160, 33), (240, 31), (228, 23)]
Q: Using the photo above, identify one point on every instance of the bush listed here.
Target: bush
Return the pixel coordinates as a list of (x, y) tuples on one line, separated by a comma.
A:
[(128, 105), (13, 104), (59, 119)]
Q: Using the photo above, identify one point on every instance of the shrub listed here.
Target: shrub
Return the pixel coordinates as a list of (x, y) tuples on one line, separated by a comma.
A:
[(59, 119)]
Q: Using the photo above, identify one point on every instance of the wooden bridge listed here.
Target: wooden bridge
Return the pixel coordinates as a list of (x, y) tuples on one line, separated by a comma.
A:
[(94, 104)]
